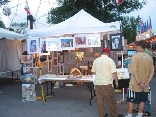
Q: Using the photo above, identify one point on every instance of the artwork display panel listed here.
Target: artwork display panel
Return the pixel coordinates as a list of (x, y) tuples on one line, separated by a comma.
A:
[(67, 43), (33, 45), (116, 42), (80, 41), (93, 40), (53, 44), (43, 45), (55, 54)]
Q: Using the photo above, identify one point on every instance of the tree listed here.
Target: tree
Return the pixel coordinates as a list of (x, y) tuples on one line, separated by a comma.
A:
[(129, 28), (19, 28), (2, 24), (4, 2), (104, 10)]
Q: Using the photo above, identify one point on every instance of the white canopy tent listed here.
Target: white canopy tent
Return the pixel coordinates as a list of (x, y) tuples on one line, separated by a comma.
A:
[(10, 50), (10, 35), (82, 22)]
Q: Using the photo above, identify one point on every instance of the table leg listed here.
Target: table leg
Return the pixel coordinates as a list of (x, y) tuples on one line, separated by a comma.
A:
[(42, 93)]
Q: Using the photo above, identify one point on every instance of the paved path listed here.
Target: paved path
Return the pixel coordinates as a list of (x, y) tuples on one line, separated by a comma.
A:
[(68, 102)]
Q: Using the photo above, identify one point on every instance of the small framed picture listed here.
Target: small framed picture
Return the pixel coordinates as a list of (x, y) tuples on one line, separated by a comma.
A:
[(116, 42), (61, 68), (49, 66), (79, 56), (43, 50), (67, 43), (55, 53), (26, 58), (55, 62), (50, 57), (33, 45)]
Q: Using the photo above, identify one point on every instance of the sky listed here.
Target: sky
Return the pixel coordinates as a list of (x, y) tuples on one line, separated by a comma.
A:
[(38, 9)]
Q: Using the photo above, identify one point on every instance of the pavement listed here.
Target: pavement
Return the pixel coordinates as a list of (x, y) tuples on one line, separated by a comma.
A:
[(69, 101)]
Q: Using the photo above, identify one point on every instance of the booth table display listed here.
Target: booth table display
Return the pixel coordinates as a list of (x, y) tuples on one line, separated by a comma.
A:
[(87, 79)]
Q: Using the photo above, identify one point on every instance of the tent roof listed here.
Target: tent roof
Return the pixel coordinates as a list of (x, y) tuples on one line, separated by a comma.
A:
[(82, 22), (10, 35)]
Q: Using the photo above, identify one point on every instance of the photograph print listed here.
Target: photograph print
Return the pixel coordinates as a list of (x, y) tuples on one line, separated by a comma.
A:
[(116, 42), (53, 44), (94, 40), (43, 50), (32, 45), (67, 43), (80, 41)]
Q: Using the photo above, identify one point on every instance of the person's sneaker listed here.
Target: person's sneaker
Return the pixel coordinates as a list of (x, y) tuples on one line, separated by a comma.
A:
[(106, 115), (120, 115)]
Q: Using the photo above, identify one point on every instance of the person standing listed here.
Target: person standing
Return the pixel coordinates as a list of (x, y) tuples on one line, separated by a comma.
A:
[(142, 71), (105, 69)]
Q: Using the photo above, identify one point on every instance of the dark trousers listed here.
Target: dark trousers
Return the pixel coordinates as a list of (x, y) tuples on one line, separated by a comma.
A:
[(106, 92)]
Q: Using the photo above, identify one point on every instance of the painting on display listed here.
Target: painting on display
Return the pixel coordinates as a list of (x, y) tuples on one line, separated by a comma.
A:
[(94, 40), (58, 69), (50, 57), (27, 64), (53, 44), (59, 57), (49, 66), (79, 56), (61, 68), (96, 55), (43, 50), (27, 70), (55, 61), (55, 54), (67, 43), (62, 58), (28, 78), (116, 42), (26, 58), (80, 41), (122, 73), (32, 46), (28, 92)]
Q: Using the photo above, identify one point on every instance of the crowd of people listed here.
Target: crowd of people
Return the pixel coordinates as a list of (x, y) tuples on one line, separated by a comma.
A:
[(141, 70)]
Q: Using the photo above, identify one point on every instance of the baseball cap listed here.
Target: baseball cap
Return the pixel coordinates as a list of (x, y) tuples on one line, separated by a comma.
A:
[(106, 50)]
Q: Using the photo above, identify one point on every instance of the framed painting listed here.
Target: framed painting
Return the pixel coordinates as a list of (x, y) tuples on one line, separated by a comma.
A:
[(55, 54), (43, 50), (49, 66), (53, 44), (55, 62), (79, 56), (62, 69), (50, 57), (94, 40), (80, 41), (67, 43), (116, 42), (32, 45), (26, 58)]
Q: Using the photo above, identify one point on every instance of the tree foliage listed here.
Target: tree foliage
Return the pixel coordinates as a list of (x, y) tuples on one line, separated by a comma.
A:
[(4, 2), (129, 28), (2, 24), (19, 28), (105, 10)]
